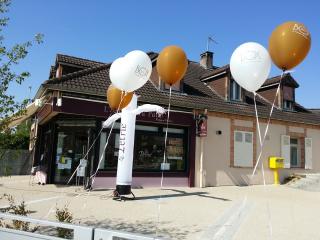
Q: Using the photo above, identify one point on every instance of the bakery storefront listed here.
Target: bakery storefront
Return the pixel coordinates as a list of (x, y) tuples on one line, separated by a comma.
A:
[(149, 151), (65, 139)]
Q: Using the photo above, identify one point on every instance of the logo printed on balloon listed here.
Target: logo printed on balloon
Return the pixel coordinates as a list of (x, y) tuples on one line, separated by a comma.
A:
[(250, 65), (131, 72), (251, 56), (301, 30), (141, 71)]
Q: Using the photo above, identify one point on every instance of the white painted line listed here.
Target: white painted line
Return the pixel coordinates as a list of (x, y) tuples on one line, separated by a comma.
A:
[(13, 182), (36, 201), (229, 222)]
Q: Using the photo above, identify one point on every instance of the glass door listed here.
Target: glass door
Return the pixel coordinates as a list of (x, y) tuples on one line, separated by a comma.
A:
[(71, 147)]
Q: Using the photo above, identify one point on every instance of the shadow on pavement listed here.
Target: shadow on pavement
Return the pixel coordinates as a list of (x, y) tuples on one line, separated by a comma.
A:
[(181, 194), (145, 227)]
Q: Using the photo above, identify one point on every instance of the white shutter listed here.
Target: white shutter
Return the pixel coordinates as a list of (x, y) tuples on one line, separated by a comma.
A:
[(285, 150), (243, 149), (308, 153)]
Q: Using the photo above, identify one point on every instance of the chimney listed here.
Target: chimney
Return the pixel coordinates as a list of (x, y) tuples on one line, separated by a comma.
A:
[(206, 60)]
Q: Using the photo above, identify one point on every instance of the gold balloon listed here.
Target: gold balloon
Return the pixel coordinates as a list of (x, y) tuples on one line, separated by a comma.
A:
[(172, 64), (114, 96), (289, 44)]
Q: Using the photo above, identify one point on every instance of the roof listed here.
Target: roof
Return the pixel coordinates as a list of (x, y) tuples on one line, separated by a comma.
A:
[(317, 111), (287, 80), (82, 62), (94, 81), (214, 71)]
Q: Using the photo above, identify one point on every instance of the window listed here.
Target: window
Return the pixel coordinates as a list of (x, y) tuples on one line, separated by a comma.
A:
[(148, 149), (243, 149), (238, 136), (248, 137), (294, 152), (175, 87), (287, 105), (235, 91)]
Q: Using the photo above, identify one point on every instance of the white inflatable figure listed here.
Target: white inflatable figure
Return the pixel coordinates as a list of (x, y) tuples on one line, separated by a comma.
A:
[(126, 141)]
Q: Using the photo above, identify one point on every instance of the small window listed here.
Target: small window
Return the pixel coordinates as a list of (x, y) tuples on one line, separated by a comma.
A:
[(235, 91), (287, 105), (293, 141), (175, 87), (238, 136), (248, 137)]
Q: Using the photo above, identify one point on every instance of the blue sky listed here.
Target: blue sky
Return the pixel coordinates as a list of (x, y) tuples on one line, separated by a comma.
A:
[(105, 30)]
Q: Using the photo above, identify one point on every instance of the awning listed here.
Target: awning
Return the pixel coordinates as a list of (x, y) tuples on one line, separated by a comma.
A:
[(31, 109)]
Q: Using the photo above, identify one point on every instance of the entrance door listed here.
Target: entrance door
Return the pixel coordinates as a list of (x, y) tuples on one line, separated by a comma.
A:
[(71, 147)]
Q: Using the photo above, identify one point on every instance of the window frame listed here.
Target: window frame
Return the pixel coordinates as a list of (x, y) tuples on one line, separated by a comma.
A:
[(160, 132), (234, 87), (244, 141), (287, 107)]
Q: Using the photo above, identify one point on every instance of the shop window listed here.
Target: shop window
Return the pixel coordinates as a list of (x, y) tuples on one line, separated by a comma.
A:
[(148, 149)]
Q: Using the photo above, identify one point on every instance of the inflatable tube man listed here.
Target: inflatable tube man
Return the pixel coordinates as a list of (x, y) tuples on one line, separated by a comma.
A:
[(126, 141)]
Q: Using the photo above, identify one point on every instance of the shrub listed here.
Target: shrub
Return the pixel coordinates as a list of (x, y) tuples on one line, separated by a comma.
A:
[(65, 216)]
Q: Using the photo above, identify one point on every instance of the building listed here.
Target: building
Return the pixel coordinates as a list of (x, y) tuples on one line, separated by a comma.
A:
[(75, 106)]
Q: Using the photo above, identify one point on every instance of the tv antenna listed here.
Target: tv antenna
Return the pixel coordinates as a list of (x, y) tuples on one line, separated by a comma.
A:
[(30, 88), (209, 40)]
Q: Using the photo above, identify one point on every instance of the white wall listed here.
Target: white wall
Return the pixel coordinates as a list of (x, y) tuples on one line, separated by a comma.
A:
[(217, 154)]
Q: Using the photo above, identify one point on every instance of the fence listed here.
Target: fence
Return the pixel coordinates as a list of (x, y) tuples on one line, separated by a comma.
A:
[(79, 232), (15, 162)]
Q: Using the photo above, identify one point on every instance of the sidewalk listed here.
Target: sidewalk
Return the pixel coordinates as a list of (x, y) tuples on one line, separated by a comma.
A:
[(239, 213)]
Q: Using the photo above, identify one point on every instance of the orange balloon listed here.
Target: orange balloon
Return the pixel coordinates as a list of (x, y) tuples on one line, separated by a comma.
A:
[(289, 44), (172, 64), (114, 96)]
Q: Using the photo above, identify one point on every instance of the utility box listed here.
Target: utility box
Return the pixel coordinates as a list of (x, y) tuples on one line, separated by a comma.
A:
[(276, 162)]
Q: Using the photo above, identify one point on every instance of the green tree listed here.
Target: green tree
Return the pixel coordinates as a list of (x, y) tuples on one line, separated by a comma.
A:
[(17, 138), (9, 57)]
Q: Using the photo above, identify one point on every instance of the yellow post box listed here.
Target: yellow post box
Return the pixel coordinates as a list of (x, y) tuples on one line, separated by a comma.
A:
[(276, 163)]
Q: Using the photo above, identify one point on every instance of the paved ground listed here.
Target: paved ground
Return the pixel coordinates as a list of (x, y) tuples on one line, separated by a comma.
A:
[(227, 213)]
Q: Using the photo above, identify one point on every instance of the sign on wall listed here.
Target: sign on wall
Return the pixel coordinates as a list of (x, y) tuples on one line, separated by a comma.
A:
[(202, 128)]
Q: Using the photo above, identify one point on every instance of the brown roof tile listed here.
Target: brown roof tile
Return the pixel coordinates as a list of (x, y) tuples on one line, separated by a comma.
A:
[(95, 80), (82, 62)]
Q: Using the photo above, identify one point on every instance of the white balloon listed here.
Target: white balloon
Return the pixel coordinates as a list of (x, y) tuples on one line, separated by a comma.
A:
[(131, 71), (250, 65)]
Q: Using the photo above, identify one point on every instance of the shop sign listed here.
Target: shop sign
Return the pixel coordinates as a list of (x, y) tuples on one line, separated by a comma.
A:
[(202, 125)]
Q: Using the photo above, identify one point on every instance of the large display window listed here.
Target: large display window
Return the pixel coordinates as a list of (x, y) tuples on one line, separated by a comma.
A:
[(148, 149)]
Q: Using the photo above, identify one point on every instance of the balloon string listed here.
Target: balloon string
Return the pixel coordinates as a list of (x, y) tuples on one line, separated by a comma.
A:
[(102, 155), (89, 151), (267, 127), (93, 176), (94, 141), (257, 116), (262, 167), (85, 156), (262, 141), (164, 161)]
